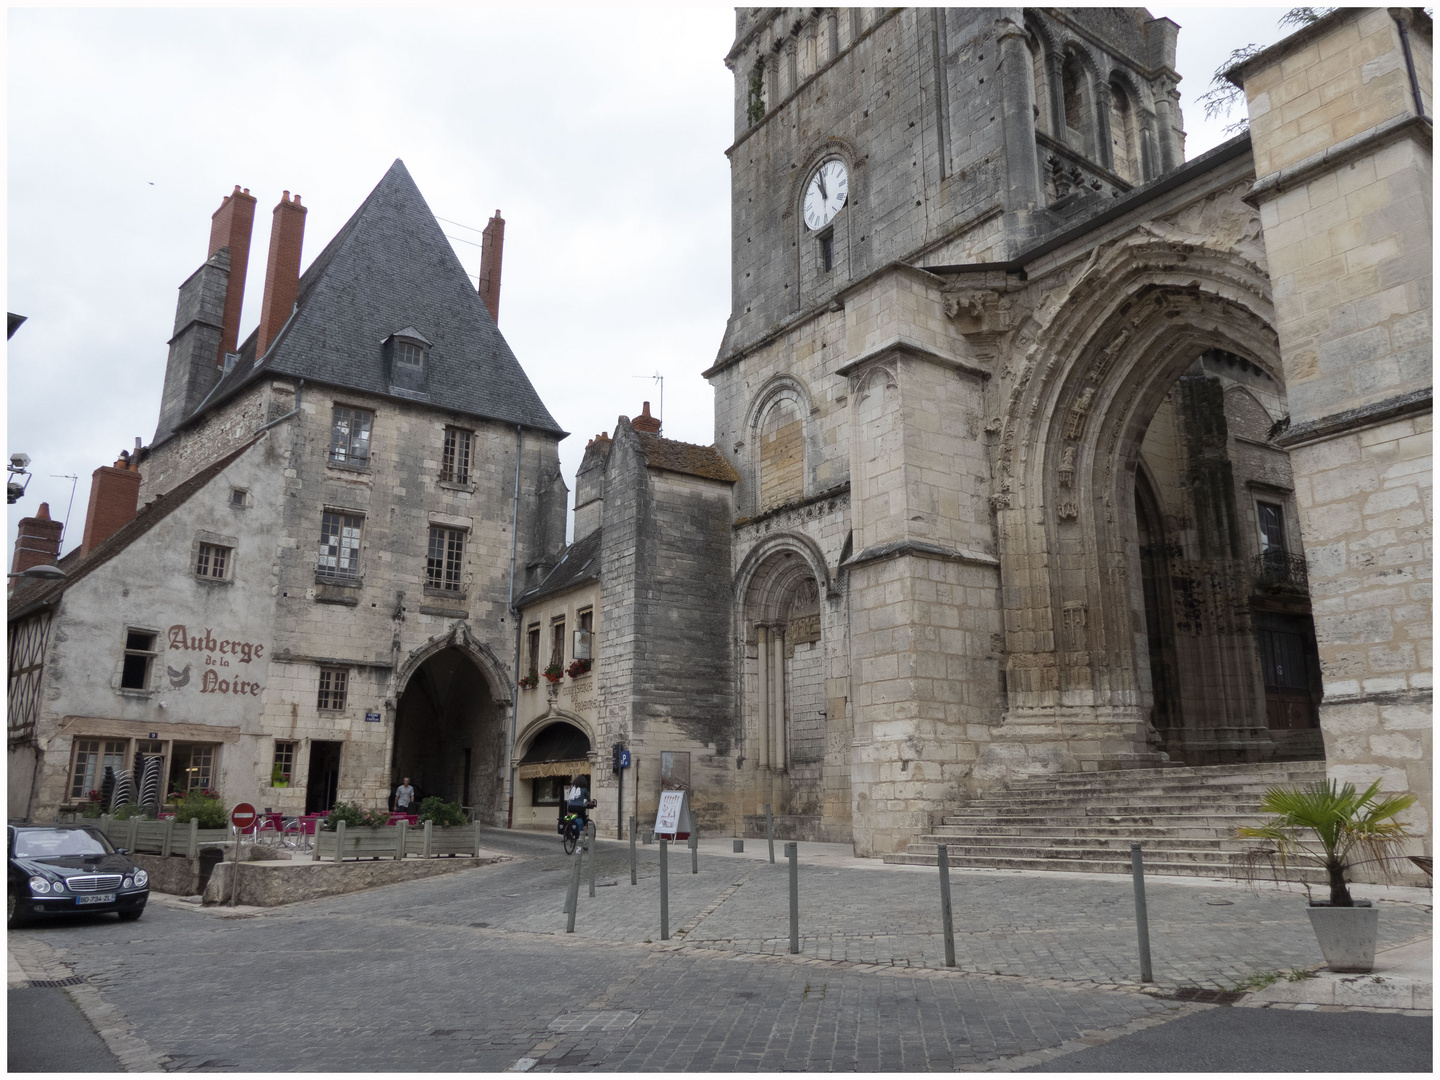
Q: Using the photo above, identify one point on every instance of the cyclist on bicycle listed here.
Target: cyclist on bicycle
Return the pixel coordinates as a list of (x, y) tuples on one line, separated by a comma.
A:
[(575, 818)]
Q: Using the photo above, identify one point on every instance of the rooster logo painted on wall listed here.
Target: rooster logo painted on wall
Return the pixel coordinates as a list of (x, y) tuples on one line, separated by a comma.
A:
[(178, 678)]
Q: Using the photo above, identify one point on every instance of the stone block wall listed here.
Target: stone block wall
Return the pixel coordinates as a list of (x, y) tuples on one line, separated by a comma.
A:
[(1345, 172)]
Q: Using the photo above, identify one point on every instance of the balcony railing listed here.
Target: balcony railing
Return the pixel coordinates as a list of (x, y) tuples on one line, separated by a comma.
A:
[(1279, 568)]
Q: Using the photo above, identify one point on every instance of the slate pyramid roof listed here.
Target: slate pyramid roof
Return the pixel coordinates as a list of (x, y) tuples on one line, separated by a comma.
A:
[(390, 269)]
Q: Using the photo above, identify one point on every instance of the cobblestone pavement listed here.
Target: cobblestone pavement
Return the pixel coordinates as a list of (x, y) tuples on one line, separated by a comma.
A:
[(473, 970)]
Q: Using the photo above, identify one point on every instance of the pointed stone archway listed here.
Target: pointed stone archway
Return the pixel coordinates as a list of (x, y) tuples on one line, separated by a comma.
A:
[(449, 724)]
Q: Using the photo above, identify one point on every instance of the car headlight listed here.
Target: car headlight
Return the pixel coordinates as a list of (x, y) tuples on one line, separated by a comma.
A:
[(57, 886), (141, 879), (127, 884), (39, 885)]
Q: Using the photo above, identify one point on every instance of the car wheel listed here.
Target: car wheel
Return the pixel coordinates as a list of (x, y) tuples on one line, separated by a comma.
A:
[(131, 916), (13, 916)]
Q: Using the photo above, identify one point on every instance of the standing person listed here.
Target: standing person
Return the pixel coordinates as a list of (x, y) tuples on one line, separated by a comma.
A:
[(404, 796)]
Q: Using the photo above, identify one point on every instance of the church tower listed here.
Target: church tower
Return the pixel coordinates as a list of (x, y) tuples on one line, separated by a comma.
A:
[(873, 148)]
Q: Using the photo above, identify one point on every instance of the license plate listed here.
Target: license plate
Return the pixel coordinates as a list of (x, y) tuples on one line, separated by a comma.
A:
[(96, 898)]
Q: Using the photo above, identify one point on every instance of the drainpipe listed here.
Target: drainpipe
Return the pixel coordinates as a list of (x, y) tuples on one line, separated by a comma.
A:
[(1409, 61), (514, 690), (281, 419)]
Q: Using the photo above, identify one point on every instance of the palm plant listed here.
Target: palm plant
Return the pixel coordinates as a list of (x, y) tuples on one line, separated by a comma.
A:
[(1333, 827)]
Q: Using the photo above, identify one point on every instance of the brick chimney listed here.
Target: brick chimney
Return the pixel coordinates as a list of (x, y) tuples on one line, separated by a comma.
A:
[(492, 249), (646, 422), (282, 272), (114, 495), (38, 542), (230, 227)]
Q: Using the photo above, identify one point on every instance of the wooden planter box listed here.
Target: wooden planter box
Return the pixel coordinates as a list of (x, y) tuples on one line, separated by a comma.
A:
[(168, 837), (396, 841)]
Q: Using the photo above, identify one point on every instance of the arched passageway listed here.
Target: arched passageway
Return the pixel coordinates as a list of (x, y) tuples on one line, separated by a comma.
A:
[(449, 738)]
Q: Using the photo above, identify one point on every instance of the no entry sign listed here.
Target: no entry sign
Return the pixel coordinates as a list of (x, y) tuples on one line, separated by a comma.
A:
[(243, 816)]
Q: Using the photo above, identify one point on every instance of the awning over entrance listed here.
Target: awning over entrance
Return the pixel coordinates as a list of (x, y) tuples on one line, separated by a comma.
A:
[(537, 769)]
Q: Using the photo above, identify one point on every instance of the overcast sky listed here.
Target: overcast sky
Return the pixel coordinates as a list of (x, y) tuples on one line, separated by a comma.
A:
[(598, 131)]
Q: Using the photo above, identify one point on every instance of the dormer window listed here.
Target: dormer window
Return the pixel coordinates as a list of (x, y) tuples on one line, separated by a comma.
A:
[(407, 362)]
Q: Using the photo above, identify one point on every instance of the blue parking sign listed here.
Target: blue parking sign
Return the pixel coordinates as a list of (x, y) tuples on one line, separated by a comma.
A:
[(624, 759)]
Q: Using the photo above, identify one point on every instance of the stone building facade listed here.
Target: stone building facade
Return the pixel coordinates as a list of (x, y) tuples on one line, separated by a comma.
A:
[(1010, 387), (372, 473)]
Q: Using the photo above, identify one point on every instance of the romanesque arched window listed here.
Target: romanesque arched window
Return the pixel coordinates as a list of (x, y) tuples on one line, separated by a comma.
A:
[(780, 451), (1039, 69), (1075, 92)]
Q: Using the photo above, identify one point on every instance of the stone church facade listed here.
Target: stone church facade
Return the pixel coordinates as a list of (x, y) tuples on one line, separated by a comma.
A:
[(1054, 447)]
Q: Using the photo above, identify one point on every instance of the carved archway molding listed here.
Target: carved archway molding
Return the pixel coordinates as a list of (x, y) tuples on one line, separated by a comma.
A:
[(1091, 382), (532, 728), (777, 544), (463, 639)]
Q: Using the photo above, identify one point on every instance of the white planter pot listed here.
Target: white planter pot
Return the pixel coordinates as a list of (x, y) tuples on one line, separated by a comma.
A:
[(1346, 934)]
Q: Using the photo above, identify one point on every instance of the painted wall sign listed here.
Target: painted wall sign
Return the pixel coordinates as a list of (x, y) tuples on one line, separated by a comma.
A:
[(218, 652)]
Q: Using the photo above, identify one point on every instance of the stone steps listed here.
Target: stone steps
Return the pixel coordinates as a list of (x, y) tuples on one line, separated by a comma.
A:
[(1184, 817)]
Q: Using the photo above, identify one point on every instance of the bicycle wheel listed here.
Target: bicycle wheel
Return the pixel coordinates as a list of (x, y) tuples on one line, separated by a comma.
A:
[(572, 836)]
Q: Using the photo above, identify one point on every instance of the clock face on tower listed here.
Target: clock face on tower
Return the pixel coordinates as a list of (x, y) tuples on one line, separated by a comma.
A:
[(825, 196)]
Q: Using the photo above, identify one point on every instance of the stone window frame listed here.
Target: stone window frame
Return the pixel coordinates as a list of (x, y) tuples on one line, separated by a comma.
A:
[(348, 462), (1087, 98), (1260, 491), (445, 570), (324, 576), (532, 642), (229, 544), (240, 499), (453, 479), (128, 650), (557, 639), (287, 752), (332, 689), (779, 387)]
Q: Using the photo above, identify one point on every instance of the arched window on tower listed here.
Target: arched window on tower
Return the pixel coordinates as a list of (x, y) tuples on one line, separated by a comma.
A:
[(1124, 134), (1039, 67), (1075, 91), (780, 462)]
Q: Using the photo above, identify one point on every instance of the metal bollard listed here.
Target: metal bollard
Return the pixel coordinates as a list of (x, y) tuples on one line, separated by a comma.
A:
[(770, 832), (632, 849), (572, 895), (664, 891), (1142, 919), (590, 859), (947, 919), (694, 850), (792, 852)]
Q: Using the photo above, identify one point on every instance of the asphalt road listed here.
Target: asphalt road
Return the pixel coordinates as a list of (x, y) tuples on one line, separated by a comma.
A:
[(473, 971), (49, 1034), (1264, 1040)]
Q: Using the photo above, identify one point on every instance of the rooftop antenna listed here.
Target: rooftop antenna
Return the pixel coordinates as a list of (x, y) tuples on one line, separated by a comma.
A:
[(659, 379), (65, 525)]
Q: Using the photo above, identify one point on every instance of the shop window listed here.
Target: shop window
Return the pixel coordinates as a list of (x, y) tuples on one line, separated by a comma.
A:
[(455, 461), (92, 758), (340, 535), (333, 684), (213, 562), (548, 790), (139, 657), (445, 558), (192, 767), (350, 436)]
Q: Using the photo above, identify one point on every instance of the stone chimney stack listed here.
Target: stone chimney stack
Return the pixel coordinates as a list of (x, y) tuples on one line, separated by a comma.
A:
[(38, 542), (230, 227), (114, 495), (646, 422), (492, 249), (282, 272)]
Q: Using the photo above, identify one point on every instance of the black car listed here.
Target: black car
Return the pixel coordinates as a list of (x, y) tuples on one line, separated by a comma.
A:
[(71, 870)]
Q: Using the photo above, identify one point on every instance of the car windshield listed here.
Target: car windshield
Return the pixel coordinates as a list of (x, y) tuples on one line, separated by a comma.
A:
[(48, 843)]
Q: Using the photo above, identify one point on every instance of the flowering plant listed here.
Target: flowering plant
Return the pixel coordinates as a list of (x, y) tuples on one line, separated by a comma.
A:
[(94, 795), (554, 671), (529, 682), (578, 668)]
